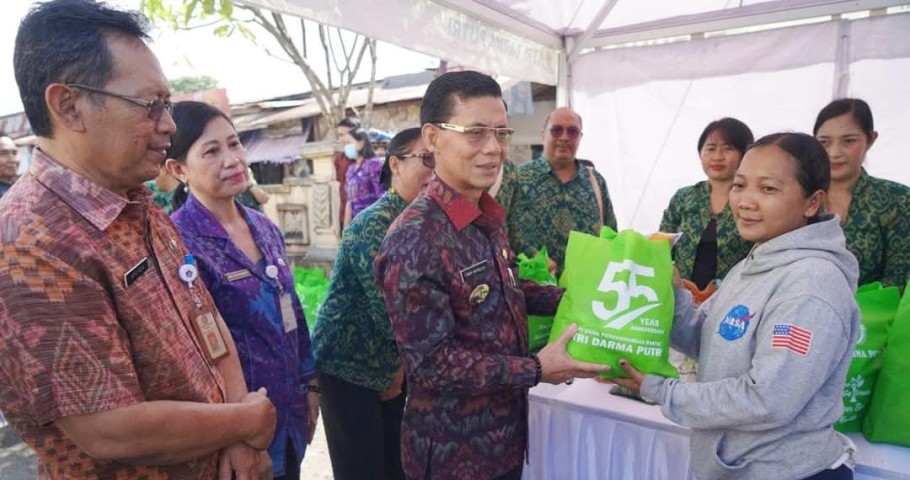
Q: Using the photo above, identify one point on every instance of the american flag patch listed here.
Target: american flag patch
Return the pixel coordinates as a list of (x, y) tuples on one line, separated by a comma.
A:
[(791, 337)]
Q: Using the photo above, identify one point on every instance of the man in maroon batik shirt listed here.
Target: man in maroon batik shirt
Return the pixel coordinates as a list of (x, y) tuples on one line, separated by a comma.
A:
[(457, 307)]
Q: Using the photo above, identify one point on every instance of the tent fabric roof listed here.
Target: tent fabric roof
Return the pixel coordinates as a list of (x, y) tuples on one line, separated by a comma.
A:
[(524, 38), (644, 101)]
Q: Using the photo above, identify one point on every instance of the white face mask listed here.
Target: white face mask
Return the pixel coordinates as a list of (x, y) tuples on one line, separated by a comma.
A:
[(350, 151)]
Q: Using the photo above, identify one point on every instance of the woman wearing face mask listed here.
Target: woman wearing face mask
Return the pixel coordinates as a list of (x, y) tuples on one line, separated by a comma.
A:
[(241, 259), (774, 342), (362, 178), (359, 369), (710, 245), (875, 213)]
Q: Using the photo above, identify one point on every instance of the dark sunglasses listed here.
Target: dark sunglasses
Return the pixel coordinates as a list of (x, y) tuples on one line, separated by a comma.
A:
[(427, 158), (572, 132), (156, 107)]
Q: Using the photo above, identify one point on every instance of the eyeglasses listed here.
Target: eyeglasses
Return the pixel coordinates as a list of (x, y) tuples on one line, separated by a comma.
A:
[(427, 158), (480, 135), (156, 107), (557, 130)]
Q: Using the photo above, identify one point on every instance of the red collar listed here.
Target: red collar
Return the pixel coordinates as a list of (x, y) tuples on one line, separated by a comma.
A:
[(459, 209)]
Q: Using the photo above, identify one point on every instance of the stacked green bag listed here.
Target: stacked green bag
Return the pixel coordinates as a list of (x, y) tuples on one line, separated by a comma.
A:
[(312, 287), (877, 307), (619, 291), (537, 270), (888, 418)]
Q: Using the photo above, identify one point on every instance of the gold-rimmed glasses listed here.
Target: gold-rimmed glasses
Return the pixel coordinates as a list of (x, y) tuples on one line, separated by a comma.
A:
[(427, 158), (156, 107), (480, 135)]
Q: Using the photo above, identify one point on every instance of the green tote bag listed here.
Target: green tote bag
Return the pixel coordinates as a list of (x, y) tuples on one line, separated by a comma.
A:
[(536, 270), (888, 418), (877, 307), (619, 291)]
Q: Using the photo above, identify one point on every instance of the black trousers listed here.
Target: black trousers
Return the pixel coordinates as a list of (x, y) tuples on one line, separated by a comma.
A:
[(842, 472), (363, 433)]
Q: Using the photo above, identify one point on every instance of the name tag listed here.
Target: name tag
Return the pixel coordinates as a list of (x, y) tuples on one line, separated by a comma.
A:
[(288, 317), (237, 275), (468, 275), (134, 273), (208, 331)]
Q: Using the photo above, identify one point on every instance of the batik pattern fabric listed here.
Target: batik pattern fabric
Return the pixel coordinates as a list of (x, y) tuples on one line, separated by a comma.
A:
[(459, 317), (877, 228), (274, 351), (94, 317), (160, 197), (545, 209), (689, 213), (353, 337), (363, 185), (508, 188), (247, 199)]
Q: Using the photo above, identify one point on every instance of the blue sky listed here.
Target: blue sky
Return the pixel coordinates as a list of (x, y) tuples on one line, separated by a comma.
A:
[(245, 69)]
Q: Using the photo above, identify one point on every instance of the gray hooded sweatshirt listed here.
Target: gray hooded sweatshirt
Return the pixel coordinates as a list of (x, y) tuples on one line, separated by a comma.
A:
[(773, 345)]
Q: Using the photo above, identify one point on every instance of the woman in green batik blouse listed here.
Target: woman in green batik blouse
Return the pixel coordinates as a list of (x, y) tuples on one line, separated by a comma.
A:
[(360, 372), (710, 245), (875, 213)]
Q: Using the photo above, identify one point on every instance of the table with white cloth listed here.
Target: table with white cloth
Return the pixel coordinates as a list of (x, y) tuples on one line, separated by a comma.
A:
[(582, 432)]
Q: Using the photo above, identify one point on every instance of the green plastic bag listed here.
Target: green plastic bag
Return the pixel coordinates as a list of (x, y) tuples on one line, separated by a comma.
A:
[(877, 307), (888, 417), (619, 291), (537, 270), (312, 287)]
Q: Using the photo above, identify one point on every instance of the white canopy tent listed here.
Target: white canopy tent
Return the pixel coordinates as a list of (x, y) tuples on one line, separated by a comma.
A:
[(645, 98)]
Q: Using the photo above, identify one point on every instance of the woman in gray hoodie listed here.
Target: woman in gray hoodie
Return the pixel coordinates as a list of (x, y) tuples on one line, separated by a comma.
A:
[(774, 343)]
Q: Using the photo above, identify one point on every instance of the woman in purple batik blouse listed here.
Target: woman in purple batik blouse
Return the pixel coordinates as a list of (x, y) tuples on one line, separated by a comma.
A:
[(362, 179), (241, 259)]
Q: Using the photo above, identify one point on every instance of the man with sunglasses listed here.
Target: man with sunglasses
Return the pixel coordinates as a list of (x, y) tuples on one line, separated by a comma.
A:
[(558, 193), (457, 308), (9, 163), (114, 362)]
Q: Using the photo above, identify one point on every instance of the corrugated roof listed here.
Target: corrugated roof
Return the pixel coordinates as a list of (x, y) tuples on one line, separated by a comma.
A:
[(357, 98), (275, 149)]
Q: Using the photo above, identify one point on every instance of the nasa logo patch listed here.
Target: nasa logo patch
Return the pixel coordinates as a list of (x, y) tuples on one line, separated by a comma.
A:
[(735, 323)]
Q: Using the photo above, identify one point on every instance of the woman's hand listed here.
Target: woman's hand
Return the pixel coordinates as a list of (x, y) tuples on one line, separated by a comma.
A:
[(394, 390), (313, 400), (632, 383)]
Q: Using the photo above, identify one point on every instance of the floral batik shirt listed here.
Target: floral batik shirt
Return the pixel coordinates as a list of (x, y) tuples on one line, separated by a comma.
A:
[(353, 337), (689, 213), (545, 209), (877, 228)]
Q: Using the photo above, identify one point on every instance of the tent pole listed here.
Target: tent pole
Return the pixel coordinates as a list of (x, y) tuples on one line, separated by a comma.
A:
[(593, 27), (563, 85), (842, 60)]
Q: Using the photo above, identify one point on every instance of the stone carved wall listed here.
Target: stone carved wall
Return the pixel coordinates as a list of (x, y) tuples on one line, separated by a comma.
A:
[(306, 209)]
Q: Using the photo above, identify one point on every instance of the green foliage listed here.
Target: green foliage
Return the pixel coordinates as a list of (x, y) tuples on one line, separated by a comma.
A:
[(192, 84), (181, 13)]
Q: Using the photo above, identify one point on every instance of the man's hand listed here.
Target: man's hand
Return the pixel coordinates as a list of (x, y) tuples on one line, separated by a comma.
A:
[(265, 416), (239, 460), (266, 468), (313, 400), (558, 366), (394, 390), (551, 266), (632, 383)]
